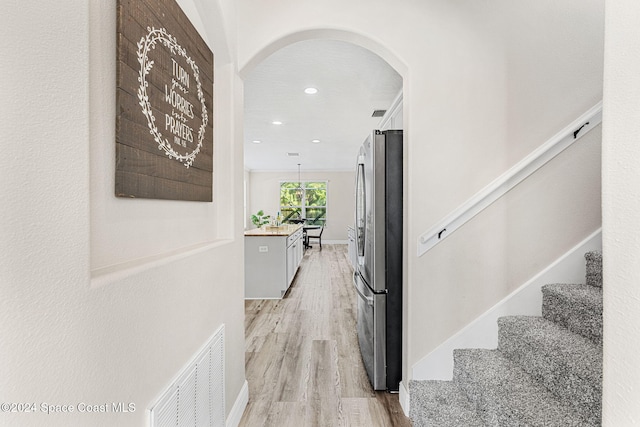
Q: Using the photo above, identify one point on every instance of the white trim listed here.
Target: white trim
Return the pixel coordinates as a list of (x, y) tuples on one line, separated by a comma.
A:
[(526, 300), (391, 111), (335, 242), (505, 182), (235, 415), (106, 275), (405, 399)]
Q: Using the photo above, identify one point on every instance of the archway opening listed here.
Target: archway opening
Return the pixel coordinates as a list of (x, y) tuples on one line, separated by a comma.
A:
[(285, 125), (287, 129)]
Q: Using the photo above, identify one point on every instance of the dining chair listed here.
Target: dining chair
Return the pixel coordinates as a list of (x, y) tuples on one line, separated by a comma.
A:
[(315, 236)]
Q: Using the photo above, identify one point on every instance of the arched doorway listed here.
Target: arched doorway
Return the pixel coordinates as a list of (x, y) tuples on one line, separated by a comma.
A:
[(274, 83), (314, 133)]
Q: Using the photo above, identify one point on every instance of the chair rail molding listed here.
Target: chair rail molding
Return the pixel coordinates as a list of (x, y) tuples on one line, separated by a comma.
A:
[(511, 178)]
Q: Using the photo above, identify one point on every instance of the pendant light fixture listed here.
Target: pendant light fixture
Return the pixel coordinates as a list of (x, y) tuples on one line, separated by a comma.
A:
[(299, 190)]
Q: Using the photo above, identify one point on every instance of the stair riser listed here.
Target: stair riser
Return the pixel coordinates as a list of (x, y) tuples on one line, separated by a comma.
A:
[(566, 380), (578, 318), (488, 410), (594, 269), (441, 403), (490, 391)]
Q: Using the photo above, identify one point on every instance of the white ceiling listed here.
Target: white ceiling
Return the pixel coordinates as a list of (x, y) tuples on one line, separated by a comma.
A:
[(352, 82)]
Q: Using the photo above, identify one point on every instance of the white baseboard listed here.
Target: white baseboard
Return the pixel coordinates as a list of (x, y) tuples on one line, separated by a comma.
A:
[(404, 399), (335, 242), (526, 300), (233, 420)]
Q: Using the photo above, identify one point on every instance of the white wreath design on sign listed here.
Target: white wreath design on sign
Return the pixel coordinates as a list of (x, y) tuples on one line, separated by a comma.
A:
[(146, 44)]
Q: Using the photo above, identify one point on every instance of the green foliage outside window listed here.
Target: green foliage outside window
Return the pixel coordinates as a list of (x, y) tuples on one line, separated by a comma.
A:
[(310, 203)]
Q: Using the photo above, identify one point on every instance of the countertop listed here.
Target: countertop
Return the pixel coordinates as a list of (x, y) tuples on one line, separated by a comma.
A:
[(283, 230)]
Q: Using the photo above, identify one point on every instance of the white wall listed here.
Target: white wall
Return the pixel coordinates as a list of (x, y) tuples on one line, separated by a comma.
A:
[(484, 84), (264, 190), (102, 299), (621, 207)]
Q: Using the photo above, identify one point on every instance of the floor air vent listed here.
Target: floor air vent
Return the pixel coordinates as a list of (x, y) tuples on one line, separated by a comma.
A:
[(196, 397)]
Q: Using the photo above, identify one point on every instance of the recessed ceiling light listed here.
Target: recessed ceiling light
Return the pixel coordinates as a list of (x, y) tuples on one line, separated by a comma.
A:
[(256, 141), (276, 122), (315, 141), (311, 91)]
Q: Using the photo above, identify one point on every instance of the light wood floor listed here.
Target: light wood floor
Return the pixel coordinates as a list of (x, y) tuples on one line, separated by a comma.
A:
[(303, 362)]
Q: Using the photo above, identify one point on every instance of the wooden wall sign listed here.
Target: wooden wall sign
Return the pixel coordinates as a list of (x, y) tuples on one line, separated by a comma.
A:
[(164, 118)]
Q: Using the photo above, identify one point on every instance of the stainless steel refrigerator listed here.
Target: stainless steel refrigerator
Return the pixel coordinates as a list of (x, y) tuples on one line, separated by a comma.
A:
[(378, 272)]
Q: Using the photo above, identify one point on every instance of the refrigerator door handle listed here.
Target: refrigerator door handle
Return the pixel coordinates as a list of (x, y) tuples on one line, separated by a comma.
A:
[(369, 300), (360, 211)]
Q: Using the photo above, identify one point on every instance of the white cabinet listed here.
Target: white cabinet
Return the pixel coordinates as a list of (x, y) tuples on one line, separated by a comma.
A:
[(295, 251), (271, 261)]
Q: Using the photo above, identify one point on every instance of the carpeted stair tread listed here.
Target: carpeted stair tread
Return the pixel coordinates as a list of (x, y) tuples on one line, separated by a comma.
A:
[(576, 307), (567, 364), (441, 404), (547, 371), (505, 395), (594, 268)]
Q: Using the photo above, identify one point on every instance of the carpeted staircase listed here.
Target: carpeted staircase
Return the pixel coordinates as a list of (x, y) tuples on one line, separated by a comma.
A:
[(546, 371)]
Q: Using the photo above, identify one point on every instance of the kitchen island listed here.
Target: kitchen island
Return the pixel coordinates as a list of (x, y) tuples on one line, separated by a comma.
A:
[(271, 259)]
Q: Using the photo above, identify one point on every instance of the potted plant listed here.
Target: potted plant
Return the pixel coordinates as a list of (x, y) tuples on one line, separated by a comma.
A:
[(259, 219)]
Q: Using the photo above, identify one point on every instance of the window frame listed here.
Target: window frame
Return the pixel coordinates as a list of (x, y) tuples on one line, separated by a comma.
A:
[(303, 207)]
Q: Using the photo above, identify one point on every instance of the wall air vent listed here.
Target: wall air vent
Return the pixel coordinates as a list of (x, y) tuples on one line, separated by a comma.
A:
[(196, 398), (293, 154), (378, 113)]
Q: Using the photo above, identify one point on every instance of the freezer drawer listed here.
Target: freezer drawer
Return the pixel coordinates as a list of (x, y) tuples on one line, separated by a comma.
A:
[(371, 332)]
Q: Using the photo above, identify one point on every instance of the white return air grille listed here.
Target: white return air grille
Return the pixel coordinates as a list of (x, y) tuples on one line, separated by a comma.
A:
[(196, 398)]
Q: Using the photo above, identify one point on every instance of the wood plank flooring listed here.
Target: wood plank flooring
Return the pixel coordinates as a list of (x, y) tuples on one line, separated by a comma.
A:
[(303, 362)]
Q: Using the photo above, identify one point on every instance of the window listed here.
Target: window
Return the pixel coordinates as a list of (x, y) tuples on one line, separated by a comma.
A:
[(310, 203)]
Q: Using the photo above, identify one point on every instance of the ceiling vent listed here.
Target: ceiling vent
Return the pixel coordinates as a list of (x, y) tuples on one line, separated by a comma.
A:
[(293, 154), (378, 113)]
